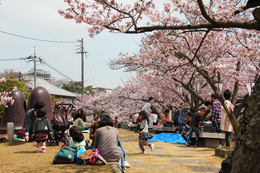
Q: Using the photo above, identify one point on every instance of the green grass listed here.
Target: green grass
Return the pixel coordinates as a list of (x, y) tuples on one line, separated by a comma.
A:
[(227, 148)]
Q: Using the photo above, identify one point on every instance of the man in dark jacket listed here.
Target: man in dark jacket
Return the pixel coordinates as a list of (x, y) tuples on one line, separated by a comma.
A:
[(194, 126), (30, 117)]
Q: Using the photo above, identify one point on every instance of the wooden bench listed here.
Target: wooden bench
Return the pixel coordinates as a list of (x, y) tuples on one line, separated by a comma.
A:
[(208, 139), (133, 127), (164, 129)]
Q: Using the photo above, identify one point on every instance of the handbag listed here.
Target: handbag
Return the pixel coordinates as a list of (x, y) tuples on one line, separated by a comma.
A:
[(217, 127), (94, 157), (86, 156)]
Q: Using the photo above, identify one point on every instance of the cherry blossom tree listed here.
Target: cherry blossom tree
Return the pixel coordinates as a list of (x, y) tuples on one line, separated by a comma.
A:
[(122, 17), (96, 101), (160, 55), (213, 27), (4, 96), (197, 16)]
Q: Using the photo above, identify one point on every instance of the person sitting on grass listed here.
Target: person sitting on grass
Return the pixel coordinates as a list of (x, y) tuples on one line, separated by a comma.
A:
[(80, 120), (78, 139), (106, 141), (165, 119)]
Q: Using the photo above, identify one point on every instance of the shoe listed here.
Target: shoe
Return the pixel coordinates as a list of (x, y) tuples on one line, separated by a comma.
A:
[(37, 150), (44, 150), (187, 144), (126, 164), (152, 147), (142, 152), (123, 170), (101, 158)]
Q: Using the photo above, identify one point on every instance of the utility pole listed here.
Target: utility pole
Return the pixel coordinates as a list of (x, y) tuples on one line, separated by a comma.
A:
[(82, 65), (33, 58)]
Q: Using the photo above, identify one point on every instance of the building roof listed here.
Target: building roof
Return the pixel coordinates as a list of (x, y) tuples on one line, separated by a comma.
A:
[(52, 89)]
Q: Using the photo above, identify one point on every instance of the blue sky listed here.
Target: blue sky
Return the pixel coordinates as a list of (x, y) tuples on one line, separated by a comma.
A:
[(40, 20)]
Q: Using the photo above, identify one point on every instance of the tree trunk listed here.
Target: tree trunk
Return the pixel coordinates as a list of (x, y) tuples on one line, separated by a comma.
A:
[(246, 158)]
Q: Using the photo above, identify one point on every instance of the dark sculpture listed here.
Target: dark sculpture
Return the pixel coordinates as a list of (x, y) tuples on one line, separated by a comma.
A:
[(14, 113), (41, 94)]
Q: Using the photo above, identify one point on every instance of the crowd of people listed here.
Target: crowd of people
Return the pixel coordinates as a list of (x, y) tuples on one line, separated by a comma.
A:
[(189, 122), (104, 133)]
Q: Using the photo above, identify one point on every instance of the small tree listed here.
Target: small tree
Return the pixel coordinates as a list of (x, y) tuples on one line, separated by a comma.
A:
[(10, 85)]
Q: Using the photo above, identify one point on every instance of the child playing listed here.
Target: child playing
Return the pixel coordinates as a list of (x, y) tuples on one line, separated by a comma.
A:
[(78, 139), (41, 129), (144, 134)]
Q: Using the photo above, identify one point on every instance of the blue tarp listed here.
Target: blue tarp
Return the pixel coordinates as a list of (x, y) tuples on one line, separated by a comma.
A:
[(167, 137)]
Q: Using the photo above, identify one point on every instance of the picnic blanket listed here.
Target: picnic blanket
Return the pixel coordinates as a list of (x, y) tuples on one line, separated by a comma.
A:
[(167, 137)]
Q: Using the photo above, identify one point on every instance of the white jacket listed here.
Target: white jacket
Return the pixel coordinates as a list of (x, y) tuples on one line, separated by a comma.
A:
[(225, 122)]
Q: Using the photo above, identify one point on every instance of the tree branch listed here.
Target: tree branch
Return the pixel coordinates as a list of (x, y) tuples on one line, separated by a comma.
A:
[(221, 24), (205, 14)]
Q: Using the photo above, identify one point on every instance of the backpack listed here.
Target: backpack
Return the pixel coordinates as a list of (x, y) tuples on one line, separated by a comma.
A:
[(67, 154), (21, 134)]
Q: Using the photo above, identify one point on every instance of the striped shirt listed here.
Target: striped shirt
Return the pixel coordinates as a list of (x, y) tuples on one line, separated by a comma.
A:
[(216, 110)]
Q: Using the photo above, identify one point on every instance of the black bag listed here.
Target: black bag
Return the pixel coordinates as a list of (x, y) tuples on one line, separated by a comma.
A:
[(215, 124)]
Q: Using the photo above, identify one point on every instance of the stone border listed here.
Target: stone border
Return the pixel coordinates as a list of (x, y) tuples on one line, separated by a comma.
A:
[(222, 152), (116, 167), (204, 168)]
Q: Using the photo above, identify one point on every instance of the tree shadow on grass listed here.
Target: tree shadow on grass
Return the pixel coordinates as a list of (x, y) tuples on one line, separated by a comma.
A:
[(24, 152), (12, 143)]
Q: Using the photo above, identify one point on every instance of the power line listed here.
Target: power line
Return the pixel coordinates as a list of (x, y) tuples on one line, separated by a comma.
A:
[(57, 70), (90, 70), (37, 39), (30, 58), (12, 59), (33, 27)]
